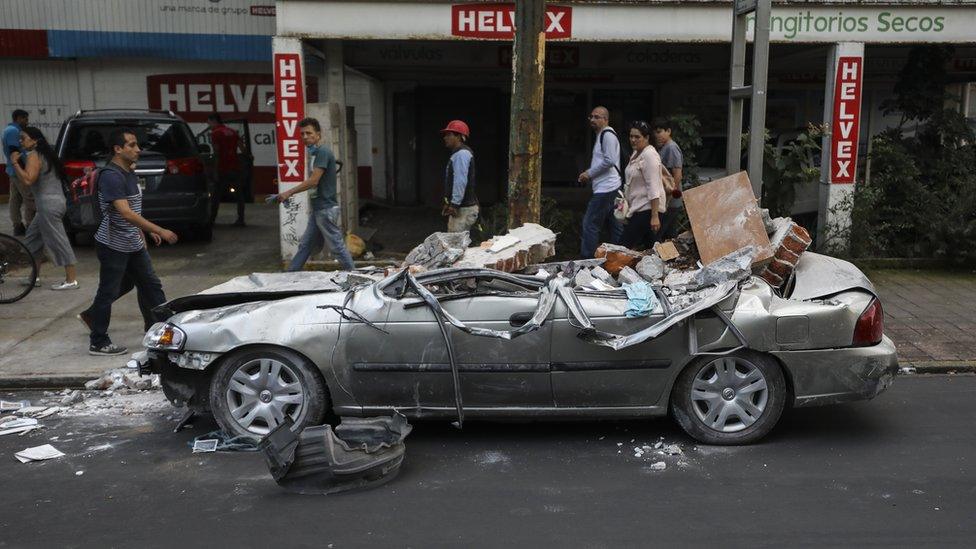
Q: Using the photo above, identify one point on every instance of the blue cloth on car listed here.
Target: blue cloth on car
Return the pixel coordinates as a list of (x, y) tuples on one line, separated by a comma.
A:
[(641, 299)]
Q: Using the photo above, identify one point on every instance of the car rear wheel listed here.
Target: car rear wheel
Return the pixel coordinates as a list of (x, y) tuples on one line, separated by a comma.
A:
[(733, 399), (254, 390)]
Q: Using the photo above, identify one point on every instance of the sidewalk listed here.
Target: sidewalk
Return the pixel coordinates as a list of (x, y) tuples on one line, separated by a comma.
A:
[(931, 316)]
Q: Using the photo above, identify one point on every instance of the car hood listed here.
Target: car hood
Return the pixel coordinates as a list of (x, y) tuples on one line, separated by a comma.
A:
[(265, 287), (819, 276)]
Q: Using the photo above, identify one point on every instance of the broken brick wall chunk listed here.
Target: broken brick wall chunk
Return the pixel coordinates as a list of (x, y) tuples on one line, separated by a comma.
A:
[(789, 242), (535, 244), (617, 257)]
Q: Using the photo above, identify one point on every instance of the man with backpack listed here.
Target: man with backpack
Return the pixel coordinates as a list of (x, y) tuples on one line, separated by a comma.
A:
[(604, 176), (121, 245)]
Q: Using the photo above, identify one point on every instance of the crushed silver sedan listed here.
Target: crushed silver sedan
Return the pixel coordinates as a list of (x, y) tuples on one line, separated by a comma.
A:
[(463, 343)]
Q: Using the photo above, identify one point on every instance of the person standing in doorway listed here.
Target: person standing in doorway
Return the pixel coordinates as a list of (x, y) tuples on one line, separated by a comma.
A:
[(21, 199), (226, 145), (460, 179), (324, 224), (43, 175), (604, 176), (673, 160), (121, 245), (644, 188)]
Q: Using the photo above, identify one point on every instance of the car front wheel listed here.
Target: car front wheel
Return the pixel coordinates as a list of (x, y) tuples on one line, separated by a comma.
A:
[(727, 400), (254, 390)]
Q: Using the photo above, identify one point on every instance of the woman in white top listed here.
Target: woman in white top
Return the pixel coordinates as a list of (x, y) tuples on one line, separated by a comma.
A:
[(644, 188)]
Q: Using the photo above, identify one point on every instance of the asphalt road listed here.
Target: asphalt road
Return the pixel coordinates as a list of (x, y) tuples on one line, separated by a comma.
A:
[(898, 471)]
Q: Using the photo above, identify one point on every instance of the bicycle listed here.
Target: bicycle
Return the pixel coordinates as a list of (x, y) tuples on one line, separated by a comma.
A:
[(18, 270)]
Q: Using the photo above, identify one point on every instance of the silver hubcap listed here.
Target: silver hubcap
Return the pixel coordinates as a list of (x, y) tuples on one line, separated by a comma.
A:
[(262, 392), (729, 394)]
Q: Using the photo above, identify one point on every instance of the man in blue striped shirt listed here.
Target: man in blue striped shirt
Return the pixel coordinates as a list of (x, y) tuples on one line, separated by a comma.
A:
[(121, 245)]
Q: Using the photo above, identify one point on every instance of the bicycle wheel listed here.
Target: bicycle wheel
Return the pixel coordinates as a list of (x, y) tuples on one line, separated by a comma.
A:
[(18, 270)]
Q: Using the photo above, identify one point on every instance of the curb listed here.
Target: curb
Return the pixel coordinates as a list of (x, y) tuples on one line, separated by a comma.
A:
[(941, 366), (45, 382)]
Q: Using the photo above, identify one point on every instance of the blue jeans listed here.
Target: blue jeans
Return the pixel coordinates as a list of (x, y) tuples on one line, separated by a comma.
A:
[(599, 213), (323, 229), (118, 273)]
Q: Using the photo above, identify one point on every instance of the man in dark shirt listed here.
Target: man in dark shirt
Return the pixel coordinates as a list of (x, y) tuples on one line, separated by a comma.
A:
[(226, 144), (323, 227), (121, 245), (673, 160)]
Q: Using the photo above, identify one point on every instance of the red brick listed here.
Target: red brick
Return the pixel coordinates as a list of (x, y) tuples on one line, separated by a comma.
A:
[(781, 268), (784, 254), (618, 257), (773, 278)]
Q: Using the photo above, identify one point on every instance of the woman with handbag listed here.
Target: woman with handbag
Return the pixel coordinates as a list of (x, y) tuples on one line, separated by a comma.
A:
[(42, 172), (643, 199)]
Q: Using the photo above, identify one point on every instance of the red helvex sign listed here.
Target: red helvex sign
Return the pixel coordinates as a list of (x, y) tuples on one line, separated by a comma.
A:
[(846, 122), (497, 21), (289, 110)]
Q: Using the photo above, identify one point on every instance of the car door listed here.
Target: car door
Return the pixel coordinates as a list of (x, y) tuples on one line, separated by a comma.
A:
[(590, 375), (409, 367)]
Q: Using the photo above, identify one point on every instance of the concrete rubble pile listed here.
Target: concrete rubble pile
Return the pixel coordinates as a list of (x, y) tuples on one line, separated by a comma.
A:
[(520, 247)]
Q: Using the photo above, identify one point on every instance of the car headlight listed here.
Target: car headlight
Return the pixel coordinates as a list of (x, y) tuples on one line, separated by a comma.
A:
[(164, 336)]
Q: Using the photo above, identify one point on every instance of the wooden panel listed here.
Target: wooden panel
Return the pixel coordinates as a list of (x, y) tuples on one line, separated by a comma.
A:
[(724, 216)]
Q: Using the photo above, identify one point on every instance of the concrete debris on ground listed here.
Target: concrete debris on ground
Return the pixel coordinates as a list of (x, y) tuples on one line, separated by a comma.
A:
[(629, 276), (38, 453), (514, 251), (439, 250)]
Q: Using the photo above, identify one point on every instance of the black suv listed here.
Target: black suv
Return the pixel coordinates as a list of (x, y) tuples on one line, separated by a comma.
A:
[(172, 176)]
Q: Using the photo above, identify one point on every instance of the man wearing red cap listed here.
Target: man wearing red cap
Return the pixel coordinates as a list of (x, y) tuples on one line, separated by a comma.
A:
[(460, 200)]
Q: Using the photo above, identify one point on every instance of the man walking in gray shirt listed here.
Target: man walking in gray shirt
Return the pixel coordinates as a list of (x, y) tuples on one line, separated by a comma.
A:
[(604, 175)]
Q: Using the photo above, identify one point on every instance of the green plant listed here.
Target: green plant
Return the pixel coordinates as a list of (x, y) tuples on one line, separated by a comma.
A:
[(920, 198), (788, 167)]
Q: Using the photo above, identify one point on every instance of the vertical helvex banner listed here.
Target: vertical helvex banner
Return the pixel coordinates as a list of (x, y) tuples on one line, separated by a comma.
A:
[(846, 122), (289, 110)]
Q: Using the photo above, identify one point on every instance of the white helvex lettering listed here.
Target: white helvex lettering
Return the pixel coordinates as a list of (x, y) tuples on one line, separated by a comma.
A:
[(466, 21), (843, 114), (291, 147), (848, 71), (287, 89), (291, 167), (167, 97), (843, 149), (502, 18), (220, 98), (485, 20), (847, 91), (200, 97), (290, 126), (555, 19), (243, 97), (845, 129), (842, 168), (287, 68), (285, 113)]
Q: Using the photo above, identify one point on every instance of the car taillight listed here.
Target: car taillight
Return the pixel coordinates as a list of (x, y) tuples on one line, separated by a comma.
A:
[(870, 325), (78, 168), (185, 166)]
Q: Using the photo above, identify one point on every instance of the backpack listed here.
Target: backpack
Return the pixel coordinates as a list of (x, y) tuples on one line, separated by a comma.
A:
[(84, 193), (619, 160)]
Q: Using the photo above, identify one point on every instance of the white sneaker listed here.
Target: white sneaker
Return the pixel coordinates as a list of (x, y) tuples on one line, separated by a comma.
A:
[(37, 282), (65, 286)]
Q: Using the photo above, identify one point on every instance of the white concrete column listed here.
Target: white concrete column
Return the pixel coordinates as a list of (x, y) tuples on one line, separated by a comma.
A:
[(289, 86), (346, 192), (842, 119)]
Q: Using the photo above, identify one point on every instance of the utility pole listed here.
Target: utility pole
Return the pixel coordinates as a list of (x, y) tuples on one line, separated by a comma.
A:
[(525, 137)]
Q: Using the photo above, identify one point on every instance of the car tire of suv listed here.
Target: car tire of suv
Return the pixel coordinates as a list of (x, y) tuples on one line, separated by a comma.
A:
[(715, 387), (286, 367)]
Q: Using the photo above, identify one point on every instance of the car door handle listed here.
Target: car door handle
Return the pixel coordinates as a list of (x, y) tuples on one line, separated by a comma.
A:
[(519, 319)]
